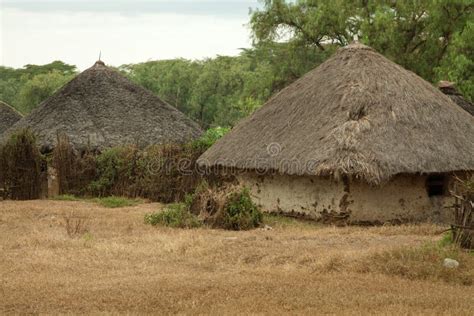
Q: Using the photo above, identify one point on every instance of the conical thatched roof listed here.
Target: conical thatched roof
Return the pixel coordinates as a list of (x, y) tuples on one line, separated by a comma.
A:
[(100, 108), (449, 88), (358, 114), (8, 116)]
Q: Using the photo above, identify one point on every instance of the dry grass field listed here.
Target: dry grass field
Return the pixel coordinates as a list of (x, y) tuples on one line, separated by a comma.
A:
[(116, 264)]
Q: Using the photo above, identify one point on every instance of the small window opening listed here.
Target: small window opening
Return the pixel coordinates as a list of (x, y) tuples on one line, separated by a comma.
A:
[(436, 185)]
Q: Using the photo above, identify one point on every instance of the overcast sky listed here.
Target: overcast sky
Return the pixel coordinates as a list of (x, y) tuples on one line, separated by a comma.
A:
[(126, 31)]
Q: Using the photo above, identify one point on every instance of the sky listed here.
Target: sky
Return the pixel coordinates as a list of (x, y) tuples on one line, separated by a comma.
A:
[(123, 31)]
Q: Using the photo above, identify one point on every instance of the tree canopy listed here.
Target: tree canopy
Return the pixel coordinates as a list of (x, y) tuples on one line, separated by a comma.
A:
[(26, 87), (431, 38)]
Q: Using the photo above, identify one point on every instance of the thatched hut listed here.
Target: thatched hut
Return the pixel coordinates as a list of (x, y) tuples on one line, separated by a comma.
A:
[(449, 88), (8, 117), (100, 108), (358, 139)]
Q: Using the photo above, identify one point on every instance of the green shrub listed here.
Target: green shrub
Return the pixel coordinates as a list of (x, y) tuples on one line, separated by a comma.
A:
[(239, 213), (164, 173), (114, 167), (211, 136), (116, 202), (176, 216)]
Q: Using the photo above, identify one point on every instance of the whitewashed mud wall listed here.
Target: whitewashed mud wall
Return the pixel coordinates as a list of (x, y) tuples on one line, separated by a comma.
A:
[(403, 199)]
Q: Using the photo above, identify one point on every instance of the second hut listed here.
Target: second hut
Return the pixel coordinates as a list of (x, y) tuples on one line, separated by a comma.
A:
[(100, 108)]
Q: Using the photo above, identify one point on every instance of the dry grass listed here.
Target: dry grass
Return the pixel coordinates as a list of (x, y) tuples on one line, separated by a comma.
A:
[(124, 266)]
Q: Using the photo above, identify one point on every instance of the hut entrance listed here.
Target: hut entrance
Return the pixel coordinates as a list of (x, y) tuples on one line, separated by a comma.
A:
[(436, 185)]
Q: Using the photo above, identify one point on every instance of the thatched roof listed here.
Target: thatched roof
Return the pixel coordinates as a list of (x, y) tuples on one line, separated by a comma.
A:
[(8, 116), (100, 108), (358, 114), (449, 88)]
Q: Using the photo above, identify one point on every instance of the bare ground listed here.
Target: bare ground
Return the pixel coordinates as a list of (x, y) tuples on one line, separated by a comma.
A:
[(123, 266)]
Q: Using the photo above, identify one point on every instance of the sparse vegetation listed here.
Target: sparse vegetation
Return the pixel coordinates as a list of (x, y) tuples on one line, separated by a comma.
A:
[(76, 226), (175, 216), (189, 271), (164, 173), (66, 197), (20, 167), (280, 221), (463, 226), (117, 201), (446, 240), (422, 263), (350, 270)]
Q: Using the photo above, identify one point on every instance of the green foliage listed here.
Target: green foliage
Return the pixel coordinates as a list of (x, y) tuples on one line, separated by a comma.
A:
[(172, 80), (26, 87), (175, 216), (211, 136), (164, 173), (38, 89), (114, 166), (419, 35), (66, 197), (447, 239), (117, 202), (431, 38), (458, 66), (240, 213)]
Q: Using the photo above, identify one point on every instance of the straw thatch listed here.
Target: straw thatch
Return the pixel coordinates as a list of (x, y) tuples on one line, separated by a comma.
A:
[(358, 114), (450, 90), (100, 108), (8, 116)]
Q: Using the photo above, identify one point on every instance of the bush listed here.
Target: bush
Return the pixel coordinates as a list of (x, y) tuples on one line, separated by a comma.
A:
[(20, 167), (75, 170), (239, 212), (228, 207), (176, 216), (115, 169), (211, 136)]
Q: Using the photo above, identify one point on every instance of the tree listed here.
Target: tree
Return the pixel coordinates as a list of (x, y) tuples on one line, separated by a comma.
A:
[(172, 80), (13, 82), (418, 35), (458, 66), (39, 88)]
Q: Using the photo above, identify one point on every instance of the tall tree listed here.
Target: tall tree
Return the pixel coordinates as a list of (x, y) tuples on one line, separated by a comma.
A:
[(39, 88), (17, 90), (419, 35)]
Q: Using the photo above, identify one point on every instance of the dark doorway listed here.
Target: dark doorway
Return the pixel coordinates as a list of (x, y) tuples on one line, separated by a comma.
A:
[(436, 185)]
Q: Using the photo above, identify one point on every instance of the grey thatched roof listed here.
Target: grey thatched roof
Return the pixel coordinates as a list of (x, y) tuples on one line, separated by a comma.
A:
[(101, 108), (8, 116), (357, 114), (449, 88)]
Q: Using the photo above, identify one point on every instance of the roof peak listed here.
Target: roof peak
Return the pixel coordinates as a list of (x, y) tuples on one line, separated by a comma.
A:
[(99, 63), (356, 45)]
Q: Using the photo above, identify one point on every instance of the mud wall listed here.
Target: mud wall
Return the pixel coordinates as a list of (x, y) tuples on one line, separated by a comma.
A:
[(403, 199)]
